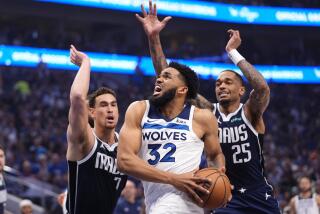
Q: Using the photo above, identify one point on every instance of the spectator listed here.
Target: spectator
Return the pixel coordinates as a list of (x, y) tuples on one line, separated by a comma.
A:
[(26, 206), (129, 203)]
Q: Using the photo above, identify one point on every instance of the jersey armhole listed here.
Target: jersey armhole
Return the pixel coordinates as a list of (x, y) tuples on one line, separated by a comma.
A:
[(88, 156), (146, 112), (190, 122), (248, 123), (214, 108)]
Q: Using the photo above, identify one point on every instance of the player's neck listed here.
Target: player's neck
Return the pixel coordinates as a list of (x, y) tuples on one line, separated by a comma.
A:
[(172, 109), (228, 108), (105, 135), (305, 194)]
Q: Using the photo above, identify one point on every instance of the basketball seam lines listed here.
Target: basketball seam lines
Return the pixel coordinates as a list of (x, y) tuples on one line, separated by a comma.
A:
[(212, 186)]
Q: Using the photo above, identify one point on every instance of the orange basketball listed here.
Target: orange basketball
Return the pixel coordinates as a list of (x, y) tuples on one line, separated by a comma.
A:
[(220, 189)]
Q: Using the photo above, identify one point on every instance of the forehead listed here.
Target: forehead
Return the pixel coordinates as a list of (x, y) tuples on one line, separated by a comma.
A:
[(171, 71), (304, 180), (226, 75), (109, 98)]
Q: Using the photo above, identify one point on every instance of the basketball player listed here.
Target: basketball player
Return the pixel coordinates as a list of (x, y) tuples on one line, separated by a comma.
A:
[(305, 202), (241, 127), (162, 140), (95, 183)]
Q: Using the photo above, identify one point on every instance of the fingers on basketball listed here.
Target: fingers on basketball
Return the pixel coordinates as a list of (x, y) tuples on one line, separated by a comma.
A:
[(219, 189)]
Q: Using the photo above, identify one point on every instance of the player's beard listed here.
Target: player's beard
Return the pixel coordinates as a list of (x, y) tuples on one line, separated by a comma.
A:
[(164, 99)]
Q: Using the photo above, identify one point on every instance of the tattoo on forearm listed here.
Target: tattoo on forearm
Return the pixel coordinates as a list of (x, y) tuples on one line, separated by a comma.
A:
[(260, 95), (255, 79), (158, 57)]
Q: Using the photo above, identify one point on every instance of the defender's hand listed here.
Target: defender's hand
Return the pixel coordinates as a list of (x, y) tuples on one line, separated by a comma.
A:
[(234, 41), (77, 57), (150, 22)]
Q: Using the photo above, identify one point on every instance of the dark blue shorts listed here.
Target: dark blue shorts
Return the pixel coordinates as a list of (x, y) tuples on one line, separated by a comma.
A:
[(255, 201)]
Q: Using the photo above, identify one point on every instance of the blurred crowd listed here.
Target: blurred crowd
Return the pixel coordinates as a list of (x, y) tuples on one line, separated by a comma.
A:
[(34, 107), (259, 46)]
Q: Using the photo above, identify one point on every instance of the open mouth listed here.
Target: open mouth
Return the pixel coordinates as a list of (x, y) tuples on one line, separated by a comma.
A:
[(110, 118), (223, 94), (157, 90)]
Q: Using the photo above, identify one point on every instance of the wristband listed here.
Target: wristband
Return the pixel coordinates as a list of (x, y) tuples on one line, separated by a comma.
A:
[(235, 56)]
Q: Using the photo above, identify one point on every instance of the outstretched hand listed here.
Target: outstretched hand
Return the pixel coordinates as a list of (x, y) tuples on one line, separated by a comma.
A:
[(234, 41), (150, 22), (77, 57)]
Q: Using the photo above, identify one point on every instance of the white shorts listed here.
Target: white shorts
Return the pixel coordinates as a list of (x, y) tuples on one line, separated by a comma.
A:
[(172, 203)]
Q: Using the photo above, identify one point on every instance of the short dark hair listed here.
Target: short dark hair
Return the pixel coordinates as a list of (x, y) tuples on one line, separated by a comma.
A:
[(100, 91), (190, 77), (239, 77)]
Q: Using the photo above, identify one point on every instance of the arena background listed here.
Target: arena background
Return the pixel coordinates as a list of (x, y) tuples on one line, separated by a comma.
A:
[(35, 83)]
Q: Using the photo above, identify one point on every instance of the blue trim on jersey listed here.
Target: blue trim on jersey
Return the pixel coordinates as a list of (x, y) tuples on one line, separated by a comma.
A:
[(168, 126)]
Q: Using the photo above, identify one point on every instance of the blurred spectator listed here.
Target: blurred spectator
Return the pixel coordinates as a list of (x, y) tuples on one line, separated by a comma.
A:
[(129, 203), (26, 206)]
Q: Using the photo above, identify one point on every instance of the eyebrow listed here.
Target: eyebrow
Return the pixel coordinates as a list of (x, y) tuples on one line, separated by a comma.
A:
[(167, 73), (105, 102)]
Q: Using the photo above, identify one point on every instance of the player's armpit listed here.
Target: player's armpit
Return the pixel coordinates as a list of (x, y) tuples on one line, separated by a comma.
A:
[(208, 123)]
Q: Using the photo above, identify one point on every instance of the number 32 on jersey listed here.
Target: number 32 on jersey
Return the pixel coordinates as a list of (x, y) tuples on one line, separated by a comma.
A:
[(157, 150)]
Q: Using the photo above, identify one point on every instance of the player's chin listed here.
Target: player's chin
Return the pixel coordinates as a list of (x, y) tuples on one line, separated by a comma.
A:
[(223, 99), (110, 125)]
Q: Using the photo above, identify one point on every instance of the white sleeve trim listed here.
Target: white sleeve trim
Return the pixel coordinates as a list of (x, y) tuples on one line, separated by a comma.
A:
[(90, 153), (146, 112), (248, 123)]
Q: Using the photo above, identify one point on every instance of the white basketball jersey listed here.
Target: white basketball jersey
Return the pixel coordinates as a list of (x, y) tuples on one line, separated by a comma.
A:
[(306, 205), (172, 146)]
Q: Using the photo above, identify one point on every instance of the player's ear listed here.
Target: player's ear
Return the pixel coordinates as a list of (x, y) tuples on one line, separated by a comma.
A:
[(182, 90), (242, 91), (91, 112)]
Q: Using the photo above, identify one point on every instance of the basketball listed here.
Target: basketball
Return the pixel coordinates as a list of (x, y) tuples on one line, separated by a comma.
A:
[(220, 188)]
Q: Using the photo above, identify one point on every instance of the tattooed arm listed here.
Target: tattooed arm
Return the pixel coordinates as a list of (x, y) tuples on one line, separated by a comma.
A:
[(152, 27), (260, 95)]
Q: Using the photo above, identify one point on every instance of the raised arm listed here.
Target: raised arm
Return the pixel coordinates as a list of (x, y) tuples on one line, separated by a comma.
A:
[(130, 163), (77, 133), (260, 95), (152, 27), (207, 122)]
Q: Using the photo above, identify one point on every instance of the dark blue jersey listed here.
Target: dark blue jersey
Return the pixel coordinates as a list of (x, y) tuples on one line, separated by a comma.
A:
[(242, 147), (95, 184)]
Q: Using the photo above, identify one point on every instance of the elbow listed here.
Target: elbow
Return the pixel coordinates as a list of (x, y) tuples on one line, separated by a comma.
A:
[(123, 164), (263, 90)]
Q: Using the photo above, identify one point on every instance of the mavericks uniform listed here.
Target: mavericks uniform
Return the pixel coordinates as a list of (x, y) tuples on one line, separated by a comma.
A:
[(306, 205), (172, 146), (95, 183), (242, 148)]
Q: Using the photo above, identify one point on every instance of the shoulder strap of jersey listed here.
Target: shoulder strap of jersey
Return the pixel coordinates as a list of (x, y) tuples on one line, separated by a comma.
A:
[(192, 107), (146, 113), (88, 156), (214, 108), (247, 122)]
